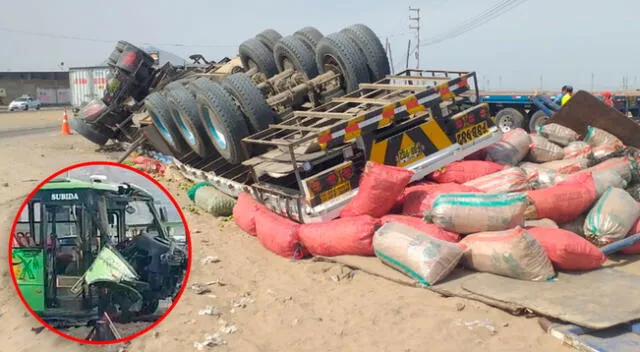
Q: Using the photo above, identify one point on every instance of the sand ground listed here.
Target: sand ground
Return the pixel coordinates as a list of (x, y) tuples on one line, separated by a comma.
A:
[(283, 305)]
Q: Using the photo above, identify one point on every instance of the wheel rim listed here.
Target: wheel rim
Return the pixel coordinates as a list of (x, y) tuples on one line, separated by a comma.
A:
[(506, 123), (332, 64), (287, 65), (540, 121), (162, 128), (218, 137), (186, 132)]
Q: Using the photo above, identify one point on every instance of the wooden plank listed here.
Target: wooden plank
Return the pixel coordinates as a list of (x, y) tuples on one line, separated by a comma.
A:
[(295, 128), (422, 78), (361, 101), (324, 115), (584, 109), (596, 299), (384, 86), (451, 286)]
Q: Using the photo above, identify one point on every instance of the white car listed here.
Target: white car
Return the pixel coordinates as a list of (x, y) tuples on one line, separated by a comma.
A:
[(24, 103)]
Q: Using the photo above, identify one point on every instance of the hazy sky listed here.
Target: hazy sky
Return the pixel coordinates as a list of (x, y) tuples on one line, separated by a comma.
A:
[(564, 41)]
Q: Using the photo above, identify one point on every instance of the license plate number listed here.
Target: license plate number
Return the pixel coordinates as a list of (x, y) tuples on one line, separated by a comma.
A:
[(335, 191), (471, 133)]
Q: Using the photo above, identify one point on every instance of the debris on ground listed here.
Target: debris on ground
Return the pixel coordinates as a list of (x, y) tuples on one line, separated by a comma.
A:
[(210, 340), (228, 329), (209, 310), (210, 259), (217, 282), (200, 289), (243, 301), (476, 324), (346, 273), (37, 329), (460, 307)]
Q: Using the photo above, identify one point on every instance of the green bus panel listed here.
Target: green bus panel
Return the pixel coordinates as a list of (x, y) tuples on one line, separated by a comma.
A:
[(28, 268)]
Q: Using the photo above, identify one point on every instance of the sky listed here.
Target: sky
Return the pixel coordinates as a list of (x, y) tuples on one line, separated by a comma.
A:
[(540, 44)]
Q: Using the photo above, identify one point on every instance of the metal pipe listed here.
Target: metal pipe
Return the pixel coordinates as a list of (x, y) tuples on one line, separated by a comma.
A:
[(296, 94)]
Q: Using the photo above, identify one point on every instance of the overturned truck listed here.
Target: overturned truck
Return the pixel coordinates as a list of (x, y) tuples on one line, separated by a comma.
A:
[(297, 121)]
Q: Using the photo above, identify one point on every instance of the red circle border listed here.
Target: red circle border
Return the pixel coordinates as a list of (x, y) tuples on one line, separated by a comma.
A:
[(184, 281)]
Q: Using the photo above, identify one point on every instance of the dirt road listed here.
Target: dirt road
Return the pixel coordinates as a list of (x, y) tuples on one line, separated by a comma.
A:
[(282, 305)]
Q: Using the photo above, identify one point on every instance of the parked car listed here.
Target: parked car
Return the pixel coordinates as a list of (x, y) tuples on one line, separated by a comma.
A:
[(24, 103)]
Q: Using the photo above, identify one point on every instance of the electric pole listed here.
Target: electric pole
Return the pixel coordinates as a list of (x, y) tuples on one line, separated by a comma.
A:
[(416, 27), (389, 55)]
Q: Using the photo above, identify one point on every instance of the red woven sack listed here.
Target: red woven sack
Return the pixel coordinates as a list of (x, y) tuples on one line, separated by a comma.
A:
[(567, 250), (418, 224), (244, 213), (349, 236), (379, 188), (464, 171), (420, 199), (279, 235), (565, 201)]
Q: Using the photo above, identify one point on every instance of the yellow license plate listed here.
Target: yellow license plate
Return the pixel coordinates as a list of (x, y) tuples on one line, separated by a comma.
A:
[(335, 191), (471, 133)]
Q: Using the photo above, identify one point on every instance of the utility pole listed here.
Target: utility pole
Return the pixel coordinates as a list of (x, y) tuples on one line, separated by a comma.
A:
[(408, 53), (541, 81), (389, 55), (416, 27), (592, 80)]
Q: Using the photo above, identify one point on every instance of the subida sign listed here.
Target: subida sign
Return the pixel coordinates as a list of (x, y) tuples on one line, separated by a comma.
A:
[(64, 196)]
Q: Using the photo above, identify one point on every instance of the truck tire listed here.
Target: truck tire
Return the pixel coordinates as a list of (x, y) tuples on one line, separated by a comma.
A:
[(250, 100), (162, 117), (187, 118), (509, 119), (290, 52), (223, 120), (95, 133), (537, 119), (336, 52), (310, 36), (254, 53), (269, 37), (371, 48)]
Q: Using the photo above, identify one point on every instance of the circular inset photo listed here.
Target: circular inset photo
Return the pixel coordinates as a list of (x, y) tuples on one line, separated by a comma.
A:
[(99, 253)]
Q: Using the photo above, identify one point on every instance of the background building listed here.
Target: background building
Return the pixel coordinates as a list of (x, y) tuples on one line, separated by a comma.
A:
[(51, 88), (74, 87)]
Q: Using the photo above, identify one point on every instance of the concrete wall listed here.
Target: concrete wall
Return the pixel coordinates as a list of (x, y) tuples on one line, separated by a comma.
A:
[(16, 84)]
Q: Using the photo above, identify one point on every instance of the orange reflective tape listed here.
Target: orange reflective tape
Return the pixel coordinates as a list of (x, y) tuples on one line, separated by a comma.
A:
[(388, 111), (351, 128), (463, 82), (444, 89), (324, 137), (412, 104)]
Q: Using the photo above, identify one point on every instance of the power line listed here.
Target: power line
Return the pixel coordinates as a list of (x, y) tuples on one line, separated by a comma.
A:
[(475, 21), (472, 23), (98, 40)]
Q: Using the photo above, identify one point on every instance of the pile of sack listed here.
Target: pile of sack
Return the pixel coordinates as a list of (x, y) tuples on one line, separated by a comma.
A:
[(523, 208), (147, 164)]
